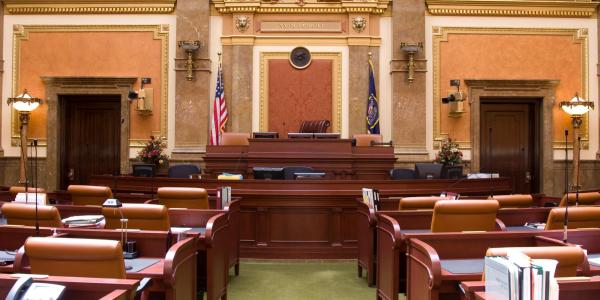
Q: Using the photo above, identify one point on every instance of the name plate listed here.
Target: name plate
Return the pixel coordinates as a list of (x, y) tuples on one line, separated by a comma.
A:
[(300, 26)]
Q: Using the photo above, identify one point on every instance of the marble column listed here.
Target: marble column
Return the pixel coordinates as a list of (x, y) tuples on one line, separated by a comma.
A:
[(237, 74), (359, 86), (192, 98), (409, 131)]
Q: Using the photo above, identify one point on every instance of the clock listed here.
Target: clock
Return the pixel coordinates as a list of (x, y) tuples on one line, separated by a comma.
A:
[(300, 58)]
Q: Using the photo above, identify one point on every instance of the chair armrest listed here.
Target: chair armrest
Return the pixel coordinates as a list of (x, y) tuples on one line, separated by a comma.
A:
[(215, 224), (500, 225), (424, 255), (151, 201), (20, 261), (391, 227), (178, 255)]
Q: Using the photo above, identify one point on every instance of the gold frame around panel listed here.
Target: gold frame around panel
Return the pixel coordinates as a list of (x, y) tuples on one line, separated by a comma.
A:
[(336, 96), (440, 34), (161, 32), (519, 8)]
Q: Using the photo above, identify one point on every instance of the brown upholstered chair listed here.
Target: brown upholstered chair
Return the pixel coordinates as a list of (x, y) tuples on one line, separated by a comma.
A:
[(139, 216), (579, 217), (366, 139), (515, 200), (235, 138), (73, 257), (469, 215), (569, 258), (89, 194), (24, 214), (407, 203), (589, 198), (314, 126), (183, 197), (21, 189)]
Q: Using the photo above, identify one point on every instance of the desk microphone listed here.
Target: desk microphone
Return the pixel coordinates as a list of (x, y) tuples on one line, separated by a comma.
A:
[(445, 193), (566, 220), (490, 163)]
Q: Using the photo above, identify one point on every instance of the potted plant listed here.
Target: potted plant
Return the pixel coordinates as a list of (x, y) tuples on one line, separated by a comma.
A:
[(450, 156), (153, 152)]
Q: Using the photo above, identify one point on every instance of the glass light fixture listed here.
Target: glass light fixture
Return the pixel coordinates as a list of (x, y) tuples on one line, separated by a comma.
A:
[(576, 106), (24, 102)]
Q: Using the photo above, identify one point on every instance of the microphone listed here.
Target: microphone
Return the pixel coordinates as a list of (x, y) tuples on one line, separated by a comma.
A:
[(445, 193), (566, 220), (490, 163), (35, 188)]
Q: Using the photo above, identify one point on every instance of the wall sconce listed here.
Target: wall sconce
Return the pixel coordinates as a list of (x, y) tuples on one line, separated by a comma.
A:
[(576, 108), (411, 48), (190, 48), (24, 104)]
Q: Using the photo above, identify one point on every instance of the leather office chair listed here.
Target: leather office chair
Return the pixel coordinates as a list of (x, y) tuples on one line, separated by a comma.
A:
[(73, 257), (569, 258), (398, 174), (139, 216), (515, 200), (183, 171), (21, 189), (589, 198), (235, 139), (314, 126), (579, 217), (182, 197), (288, 172), (24, 214), (89, 194), (407, 203), (470, 215), (363, 140), (428, 170)]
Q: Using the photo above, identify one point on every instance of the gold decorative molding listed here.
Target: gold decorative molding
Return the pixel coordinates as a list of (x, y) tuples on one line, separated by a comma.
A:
[(300, 40), (302, 7), (527, 8), (33, 7), (440, 34), (161, 32), (336, 91)]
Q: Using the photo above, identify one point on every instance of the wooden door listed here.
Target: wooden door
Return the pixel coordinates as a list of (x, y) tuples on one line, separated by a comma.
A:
[(91, 137), (509, 143)]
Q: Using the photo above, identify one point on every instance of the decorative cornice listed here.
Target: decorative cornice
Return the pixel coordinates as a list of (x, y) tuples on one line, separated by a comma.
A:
[(49, 7), (294, 7), (527, 8)]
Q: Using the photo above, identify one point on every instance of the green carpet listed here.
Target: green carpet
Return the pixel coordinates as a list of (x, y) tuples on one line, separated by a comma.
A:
[(290, 280)]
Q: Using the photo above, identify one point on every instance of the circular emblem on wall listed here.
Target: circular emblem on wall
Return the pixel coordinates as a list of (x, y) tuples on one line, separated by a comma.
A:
[(300, 58)]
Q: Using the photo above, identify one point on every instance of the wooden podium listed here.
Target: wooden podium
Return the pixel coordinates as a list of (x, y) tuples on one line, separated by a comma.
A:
[(337, 158)]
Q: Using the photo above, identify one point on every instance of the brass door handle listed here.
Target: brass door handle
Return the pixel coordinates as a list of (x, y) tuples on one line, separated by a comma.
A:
[(71, 174), (528, 177)]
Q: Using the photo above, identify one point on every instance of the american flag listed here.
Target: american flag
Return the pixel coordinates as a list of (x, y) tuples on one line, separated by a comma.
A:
[(219, 118)]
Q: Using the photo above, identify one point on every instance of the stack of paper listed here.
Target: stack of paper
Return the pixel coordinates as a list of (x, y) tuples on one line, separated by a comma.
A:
[(84, 221)]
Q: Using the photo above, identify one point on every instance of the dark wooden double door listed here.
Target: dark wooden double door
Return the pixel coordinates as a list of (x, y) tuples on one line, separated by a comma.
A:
[(90, 139), (510, 141)]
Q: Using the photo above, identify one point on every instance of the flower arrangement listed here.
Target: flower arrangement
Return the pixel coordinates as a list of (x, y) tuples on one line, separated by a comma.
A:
[(449, 153), (152, 152)]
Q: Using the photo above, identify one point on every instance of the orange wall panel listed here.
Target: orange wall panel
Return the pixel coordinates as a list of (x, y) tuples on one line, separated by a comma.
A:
[(114, 54), (509, 56), (298, 95)]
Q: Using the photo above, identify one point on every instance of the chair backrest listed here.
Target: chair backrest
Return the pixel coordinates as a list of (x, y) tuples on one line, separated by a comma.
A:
[(24, 214), (288, 172), (569, 258), (428, 170), (183, 171), (407, 203), (139, 216), (89, 194), (75, 257), (468, 215), (398, 174), (182, 197), (366, 139), (589, 198), (515, 200), (579, 217), (21, 189), (143, 170), (234, 138), (314, 126)]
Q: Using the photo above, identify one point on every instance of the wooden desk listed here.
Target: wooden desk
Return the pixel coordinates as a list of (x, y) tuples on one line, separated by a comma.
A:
[(12, 237), (81, 288), (336, 157), (426, 254), (367, 222), (302, 219), (581, 289)]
